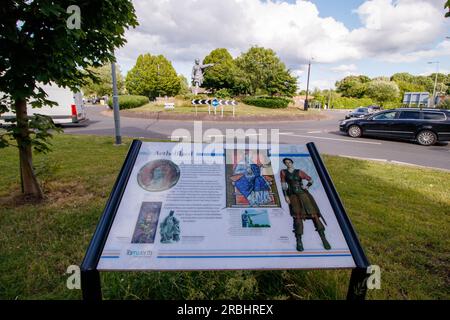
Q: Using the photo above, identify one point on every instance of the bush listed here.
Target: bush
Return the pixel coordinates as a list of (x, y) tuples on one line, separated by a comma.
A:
[(191, 96), (130, 102), (268, 102), (222, 94), (350, 103), (444, 104)]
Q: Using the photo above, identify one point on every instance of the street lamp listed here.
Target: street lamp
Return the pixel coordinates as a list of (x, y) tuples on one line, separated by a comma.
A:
[(307, 85), (435, 81)]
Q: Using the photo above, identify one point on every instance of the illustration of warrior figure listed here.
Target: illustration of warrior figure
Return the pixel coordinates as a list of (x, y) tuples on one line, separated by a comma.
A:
[(302, 205), (170, 229)]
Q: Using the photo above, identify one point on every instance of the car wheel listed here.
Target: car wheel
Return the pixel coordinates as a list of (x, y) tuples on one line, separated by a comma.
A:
[(426, 138), (354, 131)]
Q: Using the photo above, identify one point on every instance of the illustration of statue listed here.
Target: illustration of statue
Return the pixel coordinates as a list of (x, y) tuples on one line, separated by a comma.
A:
[(302, 205), (170, 229), (197, 74)]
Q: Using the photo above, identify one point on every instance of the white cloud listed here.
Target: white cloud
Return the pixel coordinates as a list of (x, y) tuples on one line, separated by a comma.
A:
[(398, 27), (182, 30), (345, 69)]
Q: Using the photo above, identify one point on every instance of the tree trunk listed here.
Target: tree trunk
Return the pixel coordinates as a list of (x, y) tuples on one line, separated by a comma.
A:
[(30, 184)]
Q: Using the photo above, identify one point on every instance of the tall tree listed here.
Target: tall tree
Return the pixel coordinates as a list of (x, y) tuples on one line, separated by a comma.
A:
[(40, 42), (353, 86), (221, 75), (153, 76), (382, 91), (184, 84), (265, 72), (103, 86)]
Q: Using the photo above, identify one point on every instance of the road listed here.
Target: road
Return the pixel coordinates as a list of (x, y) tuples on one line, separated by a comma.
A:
[(325, 133)]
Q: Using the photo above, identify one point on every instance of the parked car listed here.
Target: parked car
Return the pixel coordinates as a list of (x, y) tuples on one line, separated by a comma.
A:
[(426, 126), (69, 108), (357, 113), (373, 109)]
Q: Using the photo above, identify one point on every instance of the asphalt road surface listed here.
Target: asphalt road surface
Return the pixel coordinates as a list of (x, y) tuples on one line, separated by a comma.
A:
[(325, 133)]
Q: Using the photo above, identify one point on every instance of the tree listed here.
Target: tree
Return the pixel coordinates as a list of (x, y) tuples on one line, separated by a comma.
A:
[(403, 76), (382, 91), (153, 76), (184, 85), (265, 72), (41, 43), (353, 86), (447, 6), (103, 86), (221, 75), (444, 104)]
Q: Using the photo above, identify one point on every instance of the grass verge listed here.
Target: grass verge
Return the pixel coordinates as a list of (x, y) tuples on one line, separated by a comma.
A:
[(402, 216), (185, 107)]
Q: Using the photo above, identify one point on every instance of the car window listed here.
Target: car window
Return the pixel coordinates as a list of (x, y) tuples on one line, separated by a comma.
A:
[(433, 116), (385, 116), (361, 110), (410, 115)]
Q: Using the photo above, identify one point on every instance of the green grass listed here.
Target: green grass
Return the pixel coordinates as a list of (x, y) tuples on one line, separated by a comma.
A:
[(402, 216), (185, 107)]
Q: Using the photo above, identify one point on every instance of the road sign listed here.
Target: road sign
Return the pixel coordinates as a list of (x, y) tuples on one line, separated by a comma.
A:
[(416, 99), (214, 103)]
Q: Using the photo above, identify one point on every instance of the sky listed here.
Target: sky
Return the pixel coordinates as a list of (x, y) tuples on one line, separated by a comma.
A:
[(340, 38)]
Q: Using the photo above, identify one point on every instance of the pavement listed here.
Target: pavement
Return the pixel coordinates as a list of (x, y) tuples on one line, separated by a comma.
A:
[(324, 133)]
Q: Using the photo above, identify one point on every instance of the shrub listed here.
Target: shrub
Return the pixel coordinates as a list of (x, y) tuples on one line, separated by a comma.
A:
[(191, 96), (351, 103), (444, 104), (130, 102), (222, 94), (268, 102)]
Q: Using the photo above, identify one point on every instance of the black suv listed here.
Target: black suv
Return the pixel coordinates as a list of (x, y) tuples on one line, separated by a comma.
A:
[(426, 126)]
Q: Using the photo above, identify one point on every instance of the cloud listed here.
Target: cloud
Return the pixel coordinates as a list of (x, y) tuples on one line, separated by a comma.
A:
[(441, 50), (345, 69), (395, 27), (183, 30)]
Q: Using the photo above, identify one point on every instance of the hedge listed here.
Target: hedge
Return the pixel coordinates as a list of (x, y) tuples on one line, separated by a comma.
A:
[(130, 102), (351, 103), (268, 102)]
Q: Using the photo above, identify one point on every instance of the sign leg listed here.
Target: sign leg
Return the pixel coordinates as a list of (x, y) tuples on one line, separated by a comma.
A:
[(90, 285), (358, 285)]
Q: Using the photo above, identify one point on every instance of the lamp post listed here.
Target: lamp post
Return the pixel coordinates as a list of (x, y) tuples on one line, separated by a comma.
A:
[(307, 86), (435, 81)]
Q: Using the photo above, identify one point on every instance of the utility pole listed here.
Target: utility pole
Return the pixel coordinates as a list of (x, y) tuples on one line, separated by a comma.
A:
[(435, 81), (329, 99), (116, 105), (307, 86)]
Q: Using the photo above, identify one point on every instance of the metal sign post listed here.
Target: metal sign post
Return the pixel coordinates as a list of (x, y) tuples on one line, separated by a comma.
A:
[(116, 105)]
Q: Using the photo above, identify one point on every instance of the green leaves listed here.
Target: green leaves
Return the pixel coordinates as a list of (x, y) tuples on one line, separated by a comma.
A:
[(221, 75), (382, 91), (353, 86), (266, 73), (103, 84), (153, 76)]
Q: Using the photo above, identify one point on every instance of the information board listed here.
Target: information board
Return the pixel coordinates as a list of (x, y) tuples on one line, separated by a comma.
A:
[(243, 207)]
